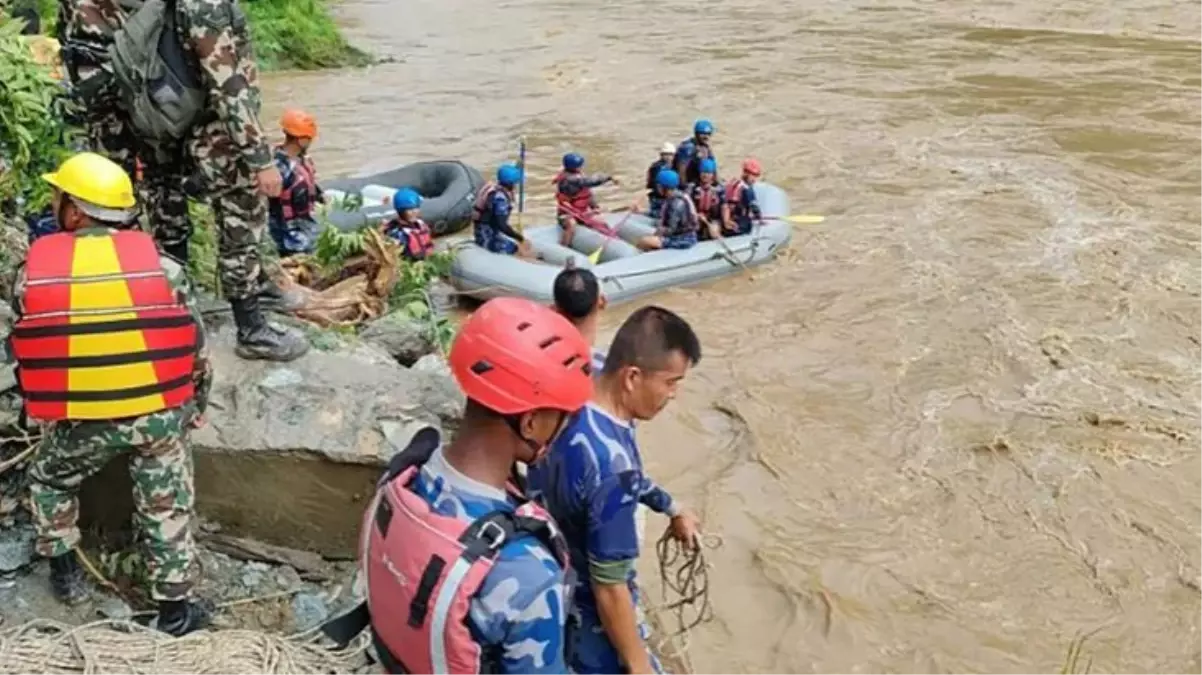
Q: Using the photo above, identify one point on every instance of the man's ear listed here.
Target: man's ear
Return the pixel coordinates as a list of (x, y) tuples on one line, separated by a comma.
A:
[(602, 302)]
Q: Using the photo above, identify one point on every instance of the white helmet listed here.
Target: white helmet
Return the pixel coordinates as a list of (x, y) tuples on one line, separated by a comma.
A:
[(667, 148)]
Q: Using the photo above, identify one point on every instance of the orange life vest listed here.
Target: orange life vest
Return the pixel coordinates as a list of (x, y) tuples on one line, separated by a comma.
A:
[(102, 334)]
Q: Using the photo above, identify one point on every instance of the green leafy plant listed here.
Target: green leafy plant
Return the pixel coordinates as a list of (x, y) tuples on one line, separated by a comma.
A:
[(33, 136), (411, 296), (334, 246)]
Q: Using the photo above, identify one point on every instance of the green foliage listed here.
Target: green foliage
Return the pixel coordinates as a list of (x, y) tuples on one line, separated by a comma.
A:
[(33, 135), (299, 34), (411, 296), (202, 248), (334, 246)]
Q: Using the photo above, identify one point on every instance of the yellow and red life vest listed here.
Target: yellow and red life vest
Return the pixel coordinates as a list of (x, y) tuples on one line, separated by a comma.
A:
[(102, 334)]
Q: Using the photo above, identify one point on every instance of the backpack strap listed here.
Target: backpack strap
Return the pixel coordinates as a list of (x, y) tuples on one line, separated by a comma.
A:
[(418, 452)]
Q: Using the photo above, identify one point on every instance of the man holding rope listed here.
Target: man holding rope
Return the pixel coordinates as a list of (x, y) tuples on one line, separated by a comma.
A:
[(111, 357), (592, 482)]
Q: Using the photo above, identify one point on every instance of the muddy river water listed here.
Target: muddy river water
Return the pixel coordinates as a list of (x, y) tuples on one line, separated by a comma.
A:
[(958, 423)]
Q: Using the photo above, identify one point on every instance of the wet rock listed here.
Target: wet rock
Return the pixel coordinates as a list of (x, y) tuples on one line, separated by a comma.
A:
[(403, 338), (309, 610), (16, 547), (438, 388), (287, 578), (291, 452)]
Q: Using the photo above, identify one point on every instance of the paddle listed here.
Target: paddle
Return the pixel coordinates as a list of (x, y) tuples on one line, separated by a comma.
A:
[(522, 183), (804, 219), (596, 255)]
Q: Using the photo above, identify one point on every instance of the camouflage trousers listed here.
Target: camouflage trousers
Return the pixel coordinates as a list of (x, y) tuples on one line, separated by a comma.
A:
[(223, 180), (161, 471)]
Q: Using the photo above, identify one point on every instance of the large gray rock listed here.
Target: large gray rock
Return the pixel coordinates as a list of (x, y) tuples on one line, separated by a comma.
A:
[(291, 452), (403, 338)]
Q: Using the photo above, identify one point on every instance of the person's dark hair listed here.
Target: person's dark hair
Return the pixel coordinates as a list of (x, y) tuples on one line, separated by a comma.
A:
[(647, 339), (576, 293)]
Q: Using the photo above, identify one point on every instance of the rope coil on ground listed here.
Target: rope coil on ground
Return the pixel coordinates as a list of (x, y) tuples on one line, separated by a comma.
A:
[(41, 646)]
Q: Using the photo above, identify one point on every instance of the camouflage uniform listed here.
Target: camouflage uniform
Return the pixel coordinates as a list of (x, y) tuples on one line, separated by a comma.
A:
[(160, 468), (226, 149)]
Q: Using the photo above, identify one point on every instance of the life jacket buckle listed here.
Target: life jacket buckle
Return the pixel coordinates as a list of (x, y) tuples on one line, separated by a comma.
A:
[(494, 534)]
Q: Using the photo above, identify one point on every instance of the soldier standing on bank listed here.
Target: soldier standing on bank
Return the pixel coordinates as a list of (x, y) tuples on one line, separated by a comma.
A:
[(173, 83), (111, 357)]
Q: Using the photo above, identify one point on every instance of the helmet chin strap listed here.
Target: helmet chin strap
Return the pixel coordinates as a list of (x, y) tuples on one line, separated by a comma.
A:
[(515, 424)]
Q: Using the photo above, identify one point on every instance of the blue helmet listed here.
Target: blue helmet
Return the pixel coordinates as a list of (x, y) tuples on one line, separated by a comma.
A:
[(667, 179), (703, 127), (708, 165), (509, 174), (405, 199), (573, 161)]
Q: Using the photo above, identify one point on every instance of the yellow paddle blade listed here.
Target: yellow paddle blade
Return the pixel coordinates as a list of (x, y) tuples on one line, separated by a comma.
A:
[(805, 219), (596, 255)]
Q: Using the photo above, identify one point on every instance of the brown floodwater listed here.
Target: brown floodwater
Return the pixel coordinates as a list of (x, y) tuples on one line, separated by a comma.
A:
[(955, 425)]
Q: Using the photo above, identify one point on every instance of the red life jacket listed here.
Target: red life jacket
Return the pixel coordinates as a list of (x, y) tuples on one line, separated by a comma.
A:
[(706, 198), (734, 196), (296, 200), (102, 334), (415, 238), (482, 199), (580, 206), (422, 569)]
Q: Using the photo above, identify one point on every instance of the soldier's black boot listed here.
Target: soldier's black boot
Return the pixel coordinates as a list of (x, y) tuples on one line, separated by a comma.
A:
[(180, 617), (258, 339), (67, 579)]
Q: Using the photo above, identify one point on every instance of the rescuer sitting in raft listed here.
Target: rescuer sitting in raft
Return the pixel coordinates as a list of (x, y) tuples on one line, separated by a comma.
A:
[(407, 228), (578, 298), (677, 226), (464, 575), (574, 199), (490, 216), (666, 153), (290, 215), (592, 482), (693, 150), (742, 209), (708, 198), (111, 358)]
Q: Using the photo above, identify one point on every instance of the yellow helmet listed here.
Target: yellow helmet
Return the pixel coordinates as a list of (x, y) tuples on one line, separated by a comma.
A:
[(97, 185)]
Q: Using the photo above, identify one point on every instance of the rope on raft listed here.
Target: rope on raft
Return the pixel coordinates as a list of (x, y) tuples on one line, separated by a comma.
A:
[(40, 646)]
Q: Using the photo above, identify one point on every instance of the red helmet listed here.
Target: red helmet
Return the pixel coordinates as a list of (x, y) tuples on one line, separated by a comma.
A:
[(752, 166), (514, 356)]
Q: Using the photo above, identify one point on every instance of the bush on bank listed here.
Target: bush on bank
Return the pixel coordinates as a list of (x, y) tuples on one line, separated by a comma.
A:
[(299, 35), (287, 34)]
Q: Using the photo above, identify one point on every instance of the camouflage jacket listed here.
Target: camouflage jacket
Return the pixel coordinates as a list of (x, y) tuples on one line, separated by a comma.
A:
[(216, 34), (167, 421)]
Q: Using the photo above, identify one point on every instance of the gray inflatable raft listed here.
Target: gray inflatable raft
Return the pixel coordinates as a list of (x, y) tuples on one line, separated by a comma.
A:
[(448, 189), (625, 272)]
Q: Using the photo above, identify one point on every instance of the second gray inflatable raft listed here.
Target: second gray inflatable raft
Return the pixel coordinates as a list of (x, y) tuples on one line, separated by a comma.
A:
[(625, 273)]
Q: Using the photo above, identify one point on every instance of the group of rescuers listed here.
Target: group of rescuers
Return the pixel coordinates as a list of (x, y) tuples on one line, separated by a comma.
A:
[(470, 565), (699, 208), (469, 568)]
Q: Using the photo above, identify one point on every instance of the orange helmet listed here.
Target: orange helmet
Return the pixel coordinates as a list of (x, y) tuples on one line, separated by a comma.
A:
[(298, 124), (752, 167)]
